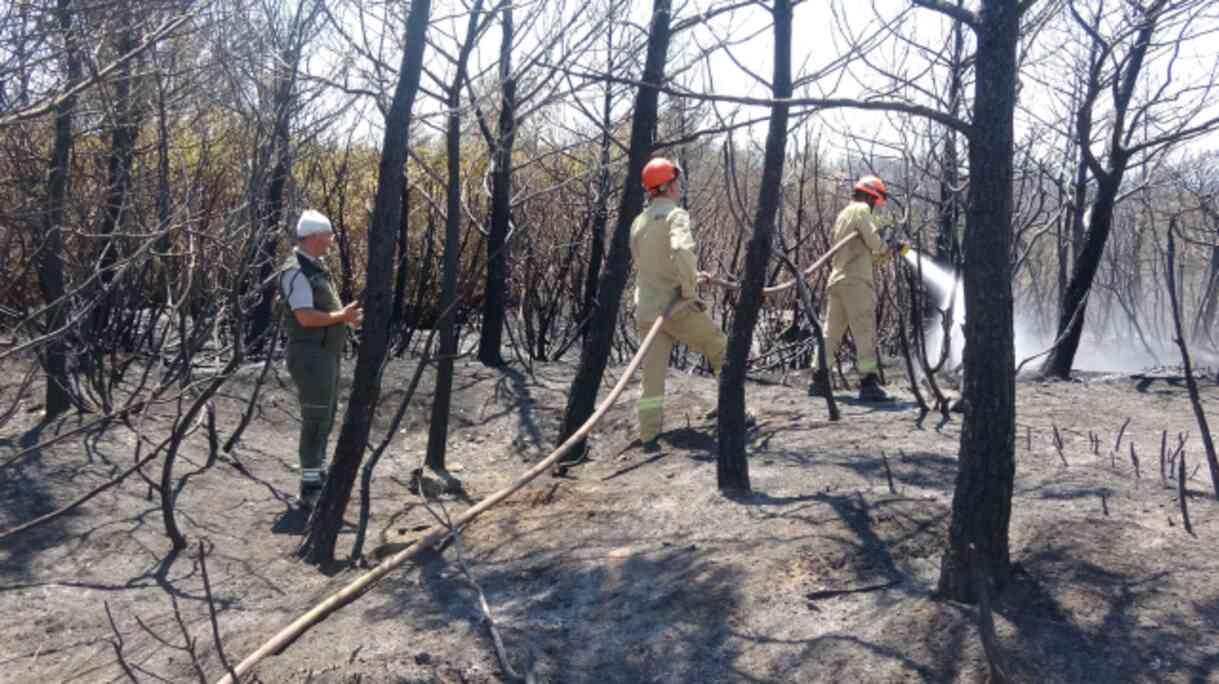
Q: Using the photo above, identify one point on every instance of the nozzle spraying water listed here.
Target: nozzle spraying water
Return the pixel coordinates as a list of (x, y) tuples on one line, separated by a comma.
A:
[(949, 301)]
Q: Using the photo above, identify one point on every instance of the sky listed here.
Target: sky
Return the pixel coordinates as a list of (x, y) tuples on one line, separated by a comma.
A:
[(822, 34)]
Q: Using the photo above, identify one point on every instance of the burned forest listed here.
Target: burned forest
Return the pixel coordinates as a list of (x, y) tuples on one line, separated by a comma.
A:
[(609, 341)]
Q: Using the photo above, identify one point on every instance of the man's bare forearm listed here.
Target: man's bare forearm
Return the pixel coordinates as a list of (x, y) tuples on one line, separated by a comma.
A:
[(314, 318)]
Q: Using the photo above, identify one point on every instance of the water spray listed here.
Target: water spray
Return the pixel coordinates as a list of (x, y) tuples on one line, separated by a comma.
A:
[(950, 300)]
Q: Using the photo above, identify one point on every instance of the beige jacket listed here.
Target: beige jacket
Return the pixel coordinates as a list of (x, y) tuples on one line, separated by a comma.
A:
[(854, 261), (662, 246)]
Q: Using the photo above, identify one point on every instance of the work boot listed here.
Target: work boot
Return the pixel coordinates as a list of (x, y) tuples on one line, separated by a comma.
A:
[(312, 482), (870, 389), (309, 494), (820, 386)]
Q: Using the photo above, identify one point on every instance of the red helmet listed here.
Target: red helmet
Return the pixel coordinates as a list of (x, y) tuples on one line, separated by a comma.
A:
[(873, 186), (659, 171)]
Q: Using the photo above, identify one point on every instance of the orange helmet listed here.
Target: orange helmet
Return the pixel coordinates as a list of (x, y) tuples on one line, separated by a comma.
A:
[(659, 171), (872, 186)]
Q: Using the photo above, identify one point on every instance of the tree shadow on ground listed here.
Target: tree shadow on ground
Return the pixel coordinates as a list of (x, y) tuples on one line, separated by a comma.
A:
[(893, 405), (25, 496), (521, 402), (629, 616), (701, 443), (923, 469), (1104, 633), (607, 607)]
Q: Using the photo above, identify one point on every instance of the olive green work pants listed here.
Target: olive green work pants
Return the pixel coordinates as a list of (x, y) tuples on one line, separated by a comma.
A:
[(315, 371)]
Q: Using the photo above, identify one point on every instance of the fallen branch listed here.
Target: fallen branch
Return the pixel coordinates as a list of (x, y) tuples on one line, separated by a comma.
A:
[(357, 588), (831, 593)]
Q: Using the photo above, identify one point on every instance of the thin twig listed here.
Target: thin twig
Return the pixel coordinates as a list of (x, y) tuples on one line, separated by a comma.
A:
[(1181, 494), (211, 610), (117, 644), (1117, 444), (444, 519), (888, 473)]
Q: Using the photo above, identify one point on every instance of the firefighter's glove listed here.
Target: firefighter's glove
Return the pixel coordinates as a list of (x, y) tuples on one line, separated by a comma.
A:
[(899, 247)]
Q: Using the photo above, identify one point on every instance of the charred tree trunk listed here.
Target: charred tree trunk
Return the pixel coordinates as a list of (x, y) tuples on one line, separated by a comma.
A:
[(1087, 262), (594, 353), (121, 157), (163, 190), (438, 429), (496, 299), (272, 214), (947, 247), (981, 503), (50, 261), (319, 542), (732, 466), (601, 210), (1205, 319), (398, 318), (1108, 182), (1191, 383)]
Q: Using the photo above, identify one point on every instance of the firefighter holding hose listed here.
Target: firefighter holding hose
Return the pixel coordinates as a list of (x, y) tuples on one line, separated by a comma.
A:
[(663, 249), (851, 299)]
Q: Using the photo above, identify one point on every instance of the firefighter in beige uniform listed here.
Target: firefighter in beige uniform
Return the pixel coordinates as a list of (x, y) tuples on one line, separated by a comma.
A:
[(851, 290), (316, 332), (662, 246)]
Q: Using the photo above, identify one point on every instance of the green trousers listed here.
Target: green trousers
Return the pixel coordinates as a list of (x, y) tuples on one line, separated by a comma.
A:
[(316, 374)]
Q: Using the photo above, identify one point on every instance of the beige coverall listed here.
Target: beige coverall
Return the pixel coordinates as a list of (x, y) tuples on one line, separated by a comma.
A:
[(852, 300), (662, 245)]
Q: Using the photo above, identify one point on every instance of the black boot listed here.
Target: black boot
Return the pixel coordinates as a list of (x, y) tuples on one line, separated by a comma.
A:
[(820, 386), (870, 389), (309, 495)]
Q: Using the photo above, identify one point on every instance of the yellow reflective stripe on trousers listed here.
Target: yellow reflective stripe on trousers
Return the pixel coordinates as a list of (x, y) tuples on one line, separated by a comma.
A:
[(651, 403)]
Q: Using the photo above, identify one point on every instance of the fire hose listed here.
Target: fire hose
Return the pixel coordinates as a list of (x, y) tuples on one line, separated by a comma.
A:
[(366, 581), (362, 584), (774, 289)]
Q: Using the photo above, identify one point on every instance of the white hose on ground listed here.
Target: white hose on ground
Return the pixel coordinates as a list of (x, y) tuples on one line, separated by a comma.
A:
[(366, 581)]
